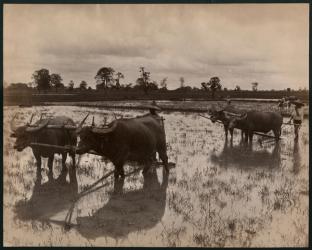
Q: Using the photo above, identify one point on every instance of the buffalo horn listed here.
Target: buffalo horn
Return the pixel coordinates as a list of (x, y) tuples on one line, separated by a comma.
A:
[(232, 114), (81, 123), (31, 118), (35, 129), (12, 125), (105, 130)]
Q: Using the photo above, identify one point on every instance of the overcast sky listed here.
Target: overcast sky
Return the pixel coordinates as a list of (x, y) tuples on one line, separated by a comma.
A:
[(240, 43)]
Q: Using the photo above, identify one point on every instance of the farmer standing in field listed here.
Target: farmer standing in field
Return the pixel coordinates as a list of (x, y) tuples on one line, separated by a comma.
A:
[(153, 107), (297, 117)]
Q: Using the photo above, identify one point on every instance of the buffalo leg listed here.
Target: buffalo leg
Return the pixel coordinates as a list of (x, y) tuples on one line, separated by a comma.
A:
[(147, 165), (246, 135), (277, 134), (50, 165), (231, 133), (74, 160), (226, 130), (38, 162), (62, 177), (250, 135), (164, 158), (119, 170)]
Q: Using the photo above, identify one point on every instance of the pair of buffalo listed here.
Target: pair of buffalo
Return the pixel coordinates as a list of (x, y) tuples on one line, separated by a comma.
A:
[(136, 139), (248, 122)]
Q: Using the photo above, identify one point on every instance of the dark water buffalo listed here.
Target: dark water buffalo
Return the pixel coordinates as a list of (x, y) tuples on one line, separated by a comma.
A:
[(136, 139), (39, 133), (259, 121), (225, 115)]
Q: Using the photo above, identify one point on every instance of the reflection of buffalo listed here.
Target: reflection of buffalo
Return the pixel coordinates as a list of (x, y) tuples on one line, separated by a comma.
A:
[(296, 158), (47, 199), (243, 156), (129, 211)]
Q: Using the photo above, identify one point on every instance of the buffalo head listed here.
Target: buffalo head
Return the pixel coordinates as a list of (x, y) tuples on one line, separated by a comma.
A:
[(24, 134), (217, 113), (93, 138), (236, 120)]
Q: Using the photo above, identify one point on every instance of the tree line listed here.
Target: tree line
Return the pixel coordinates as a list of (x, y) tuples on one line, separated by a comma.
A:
[(108, 78)]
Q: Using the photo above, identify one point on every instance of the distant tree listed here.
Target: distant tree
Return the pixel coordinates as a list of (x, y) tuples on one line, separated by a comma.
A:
[(254, 86), (128, 86), (89, 88), (153, 85), (71, 85), (29, 84), (237, 88), (163, 83), (104, 76), (182, 81), (99, 86), (143, 80), (118, 77), (42, 79), (214, 85), (56, 81), (83, 85), (5, 84), (288, 89), (18, 86), (205, 86)]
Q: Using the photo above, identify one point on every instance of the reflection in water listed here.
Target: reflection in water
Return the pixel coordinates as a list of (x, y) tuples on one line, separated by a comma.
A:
[(297, 158), (47, 199), (243, 156), (127, 212)]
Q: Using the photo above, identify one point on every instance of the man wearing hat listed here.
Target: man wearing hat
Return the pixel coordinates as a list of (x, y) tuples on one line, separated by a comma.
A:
[(297, 117), (153, 107)]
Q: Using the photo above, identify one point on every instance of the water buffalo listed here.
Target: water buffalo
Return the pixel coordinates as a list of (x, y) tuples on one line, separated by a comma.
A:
[(225, 115), (259, 121), (135, 139), (39, 133)]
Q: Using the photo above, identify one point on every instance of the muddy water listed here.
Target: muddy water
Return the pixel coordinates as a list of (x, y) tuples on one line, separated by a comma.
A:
[(219, 194)]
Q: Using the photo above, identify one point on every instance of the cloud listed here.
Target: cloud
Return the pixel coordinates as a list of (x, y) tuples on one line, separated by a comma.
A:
[(239, 43)]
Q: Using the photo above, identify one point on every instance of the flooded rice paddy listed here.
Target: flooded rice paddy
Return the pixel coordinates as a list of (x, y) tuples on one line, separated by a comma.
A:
[(218, 195)]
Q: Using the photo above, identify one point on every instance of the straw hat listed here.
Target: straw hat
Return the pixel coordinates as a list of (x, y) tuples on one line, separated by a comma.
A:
[(298, 104), (153, 106)]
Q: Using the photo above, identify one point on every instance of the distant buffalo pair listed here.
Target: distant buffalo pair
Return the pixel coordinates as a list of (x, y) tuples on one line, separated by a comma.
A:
[(137, 139), (248, 122)]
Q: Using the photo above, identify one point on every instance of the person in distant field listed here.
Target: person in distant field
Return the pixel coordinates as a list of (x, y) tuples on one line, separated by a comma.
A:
[(153, 107), (297, 117), (281, 104), (228, 100)]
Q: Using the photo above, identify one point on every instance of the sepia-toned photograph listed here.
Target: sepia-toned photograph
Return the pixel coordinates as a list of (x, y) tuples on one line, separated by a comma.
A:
[(156, 125)]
